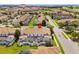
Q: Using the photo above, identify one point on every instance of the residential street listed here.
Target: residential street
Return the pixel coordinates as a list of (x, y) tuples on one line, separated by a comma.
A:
[(68, 45)]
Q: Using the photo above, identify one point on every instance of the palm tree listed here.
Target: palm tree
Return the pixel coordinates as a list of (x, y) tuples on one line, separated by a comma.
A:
[(43, 23), (16, 35)]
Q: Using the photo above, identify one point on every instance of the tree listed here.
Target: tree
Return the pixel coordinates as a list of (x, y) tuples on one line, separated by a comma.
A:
[(71, 7), (16, 35), (21, 24), (75, 17), (48, 42), (0, 22), (70, 28), (75, 23), (43, 23), (58, 18), (75, 34), (61, 24), (66, 23), (16, 23)]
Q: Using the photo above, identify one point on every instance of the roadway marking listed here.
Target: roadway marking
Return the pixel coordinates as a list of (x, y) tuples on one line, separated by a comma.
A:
[(68, 45)]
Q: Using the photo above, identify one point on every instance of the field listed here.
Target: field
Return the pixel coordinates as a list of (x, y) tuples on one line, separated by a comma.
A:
[(14, 49), (31, 23)]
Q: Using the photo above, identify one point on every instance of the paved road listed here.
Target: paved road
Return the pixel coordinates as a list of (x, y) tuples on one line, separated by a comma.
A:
[(68, 45)]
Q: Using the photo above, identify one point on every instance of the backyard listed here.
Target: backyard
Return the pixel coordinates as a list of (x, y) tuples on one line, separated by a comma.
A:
[(14, 49)]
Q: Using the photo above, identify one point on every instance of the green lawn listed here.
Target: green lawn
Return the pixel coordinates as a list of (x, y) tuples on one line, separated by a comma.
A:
[(66, 35), (14, 49), (31, 23), (55, 23), (58, 44), (70, 36), (41, 11), (53, 42)]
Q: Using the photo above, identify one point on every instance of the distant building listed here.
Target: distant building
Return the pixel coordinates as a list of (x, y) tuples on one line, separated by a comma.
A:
[(29, 36), (24, 19), (62, 15), (35, 36), (7, 36), (3, 17)]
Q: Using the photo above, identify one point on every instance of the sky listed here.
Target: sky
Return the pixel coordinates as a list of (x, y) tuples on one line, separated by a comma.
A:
[(39, 2)]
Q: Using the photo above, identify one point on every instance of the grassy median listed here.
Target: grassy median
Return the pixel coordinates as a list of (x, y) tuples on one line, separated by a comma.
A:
[(31, 23), (58, 44), (55, 23), (65, 35)]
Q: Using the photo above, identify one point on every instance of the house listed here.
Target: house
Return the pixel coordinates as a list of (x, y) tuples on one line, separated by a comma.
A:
[(4, 17), (77, 29), (62, 15), (7, 36), (35, 36), (24, 19), (29, 36), (36, 31)]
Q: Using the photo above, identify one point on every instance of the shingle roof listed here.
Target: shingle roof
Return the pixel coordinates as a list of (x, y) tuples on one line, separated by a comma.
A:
[(36, 30), (22, 18), (6, 30), (26, 30)]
